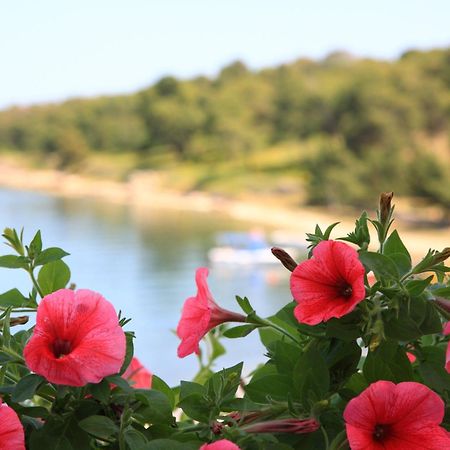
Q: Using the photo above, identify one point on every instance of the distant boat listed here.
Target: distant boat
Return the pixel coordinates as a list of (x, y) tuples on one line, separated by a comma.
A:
[(248, 248)]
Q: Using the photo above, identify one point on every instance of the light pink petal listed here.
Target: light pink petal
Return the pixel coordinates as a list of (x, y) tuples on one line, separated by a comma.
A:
[(11, 430), (447, 358), (88, 324)]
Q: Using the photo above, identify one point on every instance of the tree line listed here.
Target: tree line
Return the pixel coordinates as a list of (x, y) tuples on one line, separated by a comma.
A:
[(358, 126)]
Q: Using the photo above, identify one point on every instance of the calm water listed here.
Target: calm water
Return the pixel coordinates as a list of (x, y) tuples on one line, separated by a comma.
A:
[(144, 261)]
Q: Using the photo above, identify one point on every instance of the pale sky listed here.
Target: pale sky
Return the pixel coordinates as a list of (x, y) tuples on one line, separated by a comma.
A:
[(51, 50)]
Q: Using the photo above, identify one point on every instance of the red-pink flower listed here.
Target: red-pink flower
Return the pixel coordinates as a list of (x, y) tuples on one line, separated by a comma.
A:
[(138, 375), (77, 338), (11, 430), (201, 314), (447, 355), (223, 444), (388, 416), (330, 284)]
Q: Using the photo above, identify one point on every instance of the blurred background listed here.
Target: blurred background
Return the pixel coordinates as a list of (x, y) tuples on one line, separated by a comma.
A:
[(148, 138)]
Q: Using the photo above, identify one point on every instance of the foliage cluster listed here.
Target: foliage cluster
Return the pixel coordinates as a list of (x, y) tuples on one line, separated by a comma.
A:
[(351, 123)]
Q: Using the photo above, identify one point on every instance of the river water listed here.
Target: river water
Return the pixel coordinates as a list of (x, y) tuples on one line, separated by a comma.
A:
[(143, 260)]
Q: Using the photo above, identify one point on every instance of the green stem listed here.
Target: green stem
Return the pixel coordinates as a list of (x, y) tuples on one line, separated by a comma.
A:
[(270, 324), (325, 438), (35, 283), (12, 353)]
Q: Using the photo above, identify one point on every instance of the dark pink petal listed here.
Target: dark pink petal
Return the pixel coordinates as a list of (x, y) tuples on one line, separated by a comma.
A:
[(11, 430), (77, 339), (138, 375)]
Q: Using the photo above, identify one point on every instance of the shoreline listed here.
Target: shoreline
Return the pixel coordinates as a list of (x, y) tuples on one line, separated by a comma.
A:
[(143, 190)]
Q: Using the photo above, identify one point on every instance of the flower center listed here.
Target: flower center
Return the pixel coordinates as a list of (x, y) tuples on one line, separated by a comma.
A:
[(61, 347), (380, 432), (346, 291)]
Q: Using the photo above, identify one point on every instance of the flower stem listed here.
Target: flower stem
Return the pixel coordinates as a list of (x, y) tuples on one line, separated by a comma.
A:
[(276, 327), (35, 283)]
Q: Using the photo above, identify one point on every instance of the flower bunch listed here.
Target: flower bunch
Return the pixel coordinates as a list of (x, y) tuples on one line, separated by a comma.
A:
[(358, 359)]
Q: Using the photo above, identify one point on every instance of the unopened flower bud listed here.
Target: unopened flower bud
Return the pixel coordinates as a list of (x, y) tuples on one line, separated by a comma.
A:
[(285, 258), (21, 320), (443, 303), (292, 426), (441, 256), (385, 206)]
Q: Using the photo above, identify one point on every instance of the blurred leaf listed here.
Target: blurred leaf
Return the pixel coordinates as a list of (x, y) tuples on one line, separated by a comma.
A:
[(14, 262), (12, 298)]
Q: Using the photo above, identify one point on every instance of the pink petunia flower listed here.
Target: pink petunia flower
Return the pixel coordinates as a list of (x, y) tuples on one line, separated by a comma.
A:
[(223, 444), (201, 314), (447, 354), (11, 431), (404, 416), (330, 284), (138, 375), (77, 339)]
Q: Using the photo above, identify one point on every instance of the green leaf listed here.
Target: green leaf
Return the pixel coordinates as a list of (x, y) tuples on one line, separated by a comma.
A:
[(239, 331), (14, 262), (416, 287), (129, 352), (161, 386), (245, 305), (347, 328), (432, 368), (49, 255), (441, 291), (119, 382), (223, 384), (53, 276), (188, 388), (381, 265), (311, 376), (100, 391), (156, 408), (134, 439), (99, 426), (387, 362), (396, 250), (13, 298), (26, 387), (35, 245), (197, 407), (166, 444), (277, 387)]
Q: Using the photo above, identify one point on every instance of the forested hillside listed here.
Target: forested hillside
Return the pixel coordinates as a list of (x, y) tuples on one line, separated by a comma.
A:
[(336, 131)]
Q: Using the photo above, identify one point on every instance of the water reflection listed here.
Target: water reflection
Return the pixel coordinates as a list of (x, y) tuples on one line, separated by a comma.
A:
[(143, 260)]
